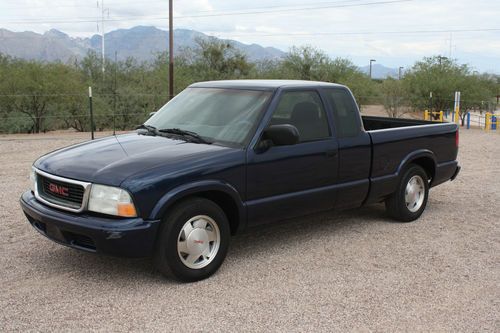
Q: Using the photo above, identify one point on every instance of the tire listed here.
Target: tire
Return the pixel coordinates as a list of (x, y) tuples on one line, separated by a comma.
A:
[(398, 207), (193, 240)]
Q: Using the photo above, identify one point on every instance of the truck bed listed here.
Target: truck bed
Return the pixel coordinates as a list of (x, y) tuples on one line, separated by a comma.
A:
[(394, 140), (376, 123)]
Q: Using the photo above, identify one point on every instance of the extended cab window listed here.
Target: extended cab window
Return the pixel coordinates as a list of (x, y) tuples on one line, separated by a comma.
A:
[(345, 112), (304, 110)]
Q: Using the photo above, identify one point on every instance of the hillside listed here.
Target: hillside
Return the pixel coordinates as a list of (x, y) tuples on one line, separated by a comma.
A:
[(141, 42)]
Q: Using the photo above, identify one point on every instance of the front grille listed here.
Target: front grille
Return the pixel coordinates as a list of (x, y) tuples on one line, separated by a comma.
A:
[(61, 193)]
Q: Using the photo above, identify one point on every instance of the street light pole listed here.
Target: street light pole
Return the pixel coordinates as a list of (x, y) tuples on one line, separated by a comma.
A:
[(170, 50), (371, 61), (399, 72)]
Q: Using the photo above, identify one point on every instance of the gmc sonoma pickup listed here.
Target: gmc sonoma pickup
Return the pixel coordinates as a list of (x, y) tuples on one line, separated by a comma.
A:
[(226, 155)]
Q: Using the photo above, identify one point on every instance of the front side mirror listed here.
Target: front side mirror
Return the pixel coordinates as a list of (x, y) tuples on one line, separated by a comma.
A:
[(282, 135), (152, 113)]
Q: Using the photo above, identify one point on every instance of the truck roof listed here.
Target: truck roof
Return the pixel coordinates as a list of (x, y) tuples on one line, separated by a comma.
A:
[(262, 84)]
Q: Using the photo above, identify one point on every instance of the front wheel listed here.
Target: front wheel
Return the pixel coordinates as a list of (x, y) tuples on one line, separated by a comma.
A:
[(410, 199), (193, 240)]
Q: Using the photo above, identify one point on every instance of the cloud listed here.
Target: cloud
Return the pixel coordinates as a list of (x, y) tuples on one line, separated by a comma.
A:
[(283, 25)]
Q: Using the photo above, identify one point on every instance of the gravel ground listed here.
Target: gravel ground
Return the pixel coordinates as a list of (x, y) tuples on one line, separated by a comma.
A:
[(348, 271)]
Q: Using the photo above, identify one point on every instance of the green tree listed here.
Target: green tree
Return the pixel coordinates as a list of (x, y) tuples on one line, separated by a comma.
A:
[(477, 93), (91, 66), (309, 63), (30, 89), (443, 76), (304, 63), (438, 75), (70, 105), (394, 97), (214, 59), (343, 71)]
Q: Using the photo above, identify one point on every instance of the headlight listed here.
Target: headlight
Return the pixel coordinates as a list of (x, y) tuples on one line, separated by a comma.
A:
[(111, 200), (33, 180)]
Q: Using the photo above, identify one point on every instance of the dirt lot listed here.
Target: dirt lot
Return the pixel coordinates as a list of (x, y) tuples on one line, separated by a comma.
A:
[(350, 271)]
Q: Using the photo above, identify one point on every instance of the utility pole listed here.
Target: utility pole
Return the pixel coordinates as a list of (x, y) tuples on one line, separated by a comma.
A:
[(170, 50), (399, 72), (371, 61), (114, 93)]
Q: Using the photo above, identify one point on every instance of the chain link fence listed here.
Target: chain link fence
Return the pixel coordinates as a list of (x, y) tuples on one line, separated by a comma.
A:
[(25, 113)]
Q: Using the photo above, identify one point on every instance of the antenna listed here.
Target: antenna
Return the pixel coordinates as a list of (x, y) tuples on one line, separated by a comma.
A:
[(103, 11), (451, 42), (102, 35)]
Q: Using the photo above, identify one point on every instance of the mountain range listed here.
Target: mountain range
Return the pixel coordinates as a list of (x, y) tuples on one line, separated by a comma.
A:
[(380, 71), (141, 42)]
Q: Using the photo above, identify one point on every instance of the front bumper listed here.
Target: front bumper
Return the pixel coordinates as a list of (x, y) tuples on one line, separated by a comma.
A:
[(131, 237)]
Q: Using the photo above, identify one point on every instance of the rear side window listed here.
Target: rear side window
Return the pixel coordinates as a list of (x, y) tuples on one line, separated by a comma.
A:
[(304, 110), (345, 112)]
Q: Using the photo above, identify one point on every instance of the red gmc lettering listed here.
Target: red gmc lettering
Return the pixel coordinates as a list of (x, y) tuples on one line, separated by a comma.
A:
[(58, 189)]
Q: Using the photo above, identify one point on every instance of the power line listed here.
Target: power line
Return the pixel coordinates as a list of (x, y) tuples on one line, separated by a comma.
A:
[(339, 33), (253, 12), (437, 31), (162, 2)]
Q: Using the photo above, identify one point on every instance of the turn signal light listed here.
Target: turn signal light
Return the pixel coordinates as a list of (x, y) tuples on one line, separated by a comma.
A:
[(126, 210)]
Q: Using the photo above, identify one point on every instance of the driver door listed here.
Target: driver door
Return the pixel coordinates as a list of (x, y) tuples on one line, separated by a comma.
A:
[(293, 180)]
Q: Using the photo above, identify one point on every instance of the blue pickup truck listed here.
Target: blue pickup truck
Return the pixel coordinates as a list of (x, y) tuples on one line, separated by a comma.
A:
[(223, 156)]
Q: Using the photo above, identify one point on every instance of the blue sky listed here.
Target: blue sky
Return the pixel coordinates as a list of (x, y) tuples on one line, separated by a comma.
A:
[(394, 32)]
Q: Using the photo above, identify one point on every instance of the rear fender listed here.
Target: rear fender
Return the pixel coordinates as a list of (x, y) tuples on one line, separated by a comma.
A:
[(383, 186), (415, 155)]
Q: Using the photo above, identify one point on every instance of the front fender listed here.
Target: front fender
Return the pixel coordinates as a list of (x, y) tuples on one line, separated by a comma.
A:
[(176, 194)]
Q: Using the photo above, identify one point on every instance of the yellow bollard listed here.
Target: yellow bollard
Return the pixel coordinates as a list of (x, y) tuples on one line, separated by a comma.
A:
[(426, 115), (487, 121), (441, 116)]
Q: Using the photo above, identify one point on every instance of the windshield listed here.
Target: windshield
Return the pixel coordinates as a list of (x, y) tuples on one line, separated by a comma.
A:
[(217, 115)]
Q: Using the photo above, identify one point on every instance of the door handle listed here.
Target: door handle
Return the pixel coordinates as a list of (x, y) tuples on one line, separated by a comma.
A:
[(331, 153)]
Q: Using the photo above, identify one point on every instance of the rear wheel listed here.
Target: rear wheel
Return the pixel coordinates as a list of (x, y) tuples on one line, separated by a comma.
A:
[(410, 199), (193, 240)]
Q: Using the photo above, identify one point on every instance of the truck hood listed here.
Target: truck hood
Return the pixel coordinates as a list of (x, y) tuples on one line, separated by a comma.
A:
[(112, 159)]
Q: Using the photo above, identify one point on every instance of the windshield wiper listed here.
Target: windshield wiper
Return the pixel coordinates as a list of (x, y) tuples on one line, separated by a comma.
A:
[(150, 130), (191, 136)]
